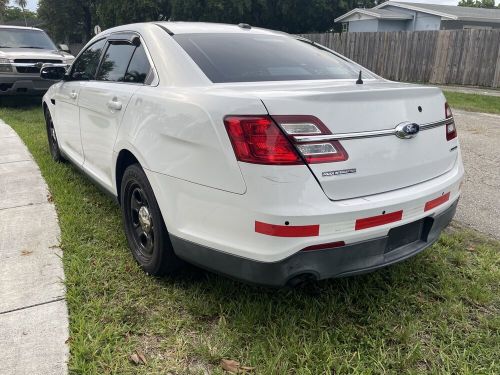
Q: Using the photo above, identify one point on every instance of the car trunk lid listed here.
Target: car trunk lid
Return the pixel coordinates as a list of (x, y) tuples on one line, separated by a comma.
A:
[(364, 117)]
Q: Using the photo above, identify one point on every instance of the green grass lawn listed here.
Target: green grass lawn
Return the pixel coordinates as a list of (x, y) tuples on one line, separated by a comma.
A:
[(473, 102), (436, 313)]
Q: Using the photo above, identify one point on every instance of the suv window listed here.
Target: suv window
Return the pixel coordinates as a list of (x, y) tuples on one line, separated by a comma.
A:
[(115, 62), (85, 66), (139, 67)]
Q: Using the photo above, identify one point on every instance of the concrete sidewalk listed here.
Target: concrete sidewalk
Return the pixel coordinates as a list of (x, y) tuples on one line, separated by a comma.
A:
[(33, 312)]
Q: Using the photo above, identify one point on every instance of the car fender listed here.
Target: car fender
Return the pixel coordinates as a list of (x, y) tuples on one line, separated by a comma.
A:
[(180, 132)]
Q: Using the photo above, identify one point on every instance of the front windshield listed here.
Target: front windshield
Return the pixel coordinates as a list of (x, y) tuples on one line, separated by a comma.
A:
[(25, 38), (250, 57)]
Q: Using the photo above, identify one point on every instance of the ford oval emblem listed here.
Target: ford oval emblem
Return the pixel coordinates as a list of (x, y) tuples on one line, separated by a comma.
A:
[(407, 130)]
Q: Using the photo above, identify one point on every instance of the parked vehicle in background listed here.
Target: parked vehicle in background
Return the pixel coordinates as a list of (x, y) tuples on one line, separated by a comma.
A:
[(23, 51), (253, 153)]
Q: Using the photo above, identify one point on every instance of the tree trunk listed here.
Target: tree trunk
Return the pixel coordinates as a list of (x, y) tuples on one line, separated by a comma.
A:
[(87, 23)]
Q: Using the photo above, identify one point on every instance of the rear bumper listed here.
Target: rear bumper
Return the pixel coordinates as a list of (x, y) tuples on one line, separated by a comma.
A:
[(348, 260), (23, 84)]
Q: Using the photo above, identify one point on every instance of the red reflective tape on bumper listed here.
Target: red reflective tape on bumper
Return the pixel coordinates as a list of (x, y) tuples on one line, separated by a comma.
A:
[(375, 221), (437, 202), (287, 230)]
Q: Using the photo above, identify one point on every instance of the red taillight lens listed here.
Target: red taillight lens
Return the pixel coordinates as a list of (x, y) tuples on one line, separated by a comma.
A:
[(258, 140), (312, 152), (451, 130)]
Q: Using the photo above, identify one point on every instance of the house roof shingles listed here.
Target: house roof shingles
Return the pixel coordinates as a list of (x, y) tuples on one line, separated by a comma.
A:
[(449, 11), (445, 11)]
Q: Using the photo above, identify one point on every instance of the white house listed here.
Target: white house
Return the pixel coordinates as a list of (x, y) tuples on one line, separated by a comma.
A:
[(403, 16)]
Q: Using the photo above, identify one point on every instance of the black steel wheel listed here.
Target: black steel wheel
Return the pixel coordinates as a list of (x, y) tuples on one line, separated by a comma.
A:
[(145, 229), (55, 152)]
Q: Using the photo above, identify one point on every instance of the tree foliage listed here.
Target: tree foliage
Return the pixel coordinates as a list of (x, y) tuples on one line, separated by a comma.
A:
[(73, 19), (478, 3), (3, 6), (15, 13)]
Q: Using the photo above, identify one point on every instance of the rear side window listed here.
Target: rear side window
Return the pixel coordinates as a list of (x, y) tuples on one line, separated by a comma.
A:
[(139, 67), (115, 62), (260, 57), (84, 68)]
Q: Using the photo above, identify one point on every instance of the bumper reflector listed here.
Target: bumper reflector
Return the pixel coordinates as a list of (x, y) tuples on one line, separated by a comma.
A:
[(375, 221), (437, 202), (287, 230), (325, 246)]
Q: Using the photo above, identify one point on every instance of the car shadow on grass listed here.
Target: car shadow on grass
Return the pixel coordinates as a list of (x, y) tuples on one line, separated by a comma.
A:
[(357, 300), (21, 102)]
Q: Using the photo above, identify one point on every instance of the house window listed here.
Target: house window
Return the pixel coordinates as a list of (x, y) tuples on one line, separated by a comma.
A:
[(345, 27)]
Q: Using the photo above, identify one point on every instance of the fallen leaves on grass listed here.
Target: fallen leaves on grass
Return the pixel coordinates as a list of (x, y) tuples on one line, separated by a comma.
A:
[(138, 358), (234, 367)]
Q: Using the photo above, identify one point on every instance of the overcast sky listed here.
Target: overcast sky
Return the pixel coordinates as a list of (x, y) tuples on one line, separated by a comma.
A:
[(32, 4)]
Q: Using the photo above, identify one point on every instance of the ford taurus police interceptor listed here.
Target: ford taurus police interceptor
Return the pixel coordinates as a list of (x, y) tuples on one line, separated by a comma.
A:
[(254, 153)]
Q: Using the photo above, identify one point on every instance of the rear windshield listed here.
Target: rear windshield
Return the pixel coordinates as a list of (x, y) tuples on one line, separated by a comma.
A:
[(258, 57), (23, 38)]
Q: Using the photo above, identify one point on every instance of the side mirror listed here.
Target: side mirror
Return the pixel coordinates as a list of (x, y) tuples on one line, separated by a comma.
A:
[(64, 48), (53, 72)]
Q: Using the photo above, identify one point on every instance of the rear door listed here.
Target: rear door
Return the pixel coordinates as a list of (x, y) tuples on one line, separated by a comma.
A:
[(124, 68), (67, 119)]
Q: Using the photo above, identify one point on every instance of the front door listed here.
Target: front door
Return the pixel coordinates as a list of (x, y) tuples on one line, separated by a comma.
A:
[(67, 114), (103, 103)]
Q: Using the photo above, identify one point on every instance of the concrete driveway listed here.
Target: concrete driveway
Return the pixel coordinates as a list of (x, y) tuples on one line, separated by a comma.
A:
[(33, 312), (479, 136)]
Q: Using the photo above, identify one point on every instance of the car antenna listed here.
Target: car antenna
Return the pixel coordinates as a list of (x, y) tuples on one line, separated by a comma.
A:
[(360, 79)]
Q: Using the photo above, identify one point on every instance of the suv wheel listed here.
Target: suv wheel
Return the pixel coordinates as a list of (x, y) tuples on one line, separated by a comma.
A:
[(144, 227), (55, 152)]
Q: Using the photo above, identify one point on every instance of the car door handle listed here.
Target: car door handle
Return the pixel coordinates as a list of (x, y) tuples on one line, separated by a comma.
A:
[(115, 105), (73, 95)]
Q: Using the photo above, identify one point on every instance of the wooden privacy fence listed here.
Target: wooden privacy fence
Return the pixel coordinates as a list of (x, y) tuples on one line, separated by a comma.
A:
[(461, 57)]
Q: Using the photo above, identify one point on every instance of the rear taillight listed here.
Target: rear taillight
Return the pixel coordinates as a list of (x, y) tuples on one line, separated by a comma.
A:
[(259, 140), (313, 152), (451, 130)]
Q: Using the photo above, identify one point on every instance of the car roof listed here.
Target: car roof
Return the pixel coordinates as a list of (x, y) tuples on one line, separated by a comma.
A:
[(19, 27), (178, 27)]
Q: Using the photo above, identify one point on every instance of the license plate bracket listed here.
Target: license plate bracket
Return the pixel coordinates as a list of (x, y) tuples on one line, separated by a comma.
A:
[(408, 233)]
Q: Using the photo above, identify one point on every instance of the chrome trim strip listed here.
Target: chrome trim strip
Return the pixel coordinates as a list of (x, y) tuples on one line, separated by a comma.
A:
[(369, 134), (436, 124)]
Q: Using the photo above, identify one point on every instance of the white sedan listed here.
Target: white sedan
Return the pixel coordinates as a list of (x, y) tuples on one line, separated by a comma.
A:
[(253, 153)]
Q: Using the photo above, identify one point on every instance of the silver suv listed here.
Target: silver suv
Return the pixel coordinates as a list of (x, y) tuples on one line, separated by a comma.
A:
[(23, 51)]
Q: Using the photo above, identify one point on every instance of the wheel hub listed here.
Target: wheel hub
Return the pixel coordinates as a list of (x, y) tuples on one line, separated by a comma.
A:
[(145, 219)]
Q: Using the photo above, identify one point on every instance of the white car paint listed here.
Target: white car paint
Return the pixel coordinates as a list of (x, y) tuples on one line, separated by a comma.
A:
[(174, 128)]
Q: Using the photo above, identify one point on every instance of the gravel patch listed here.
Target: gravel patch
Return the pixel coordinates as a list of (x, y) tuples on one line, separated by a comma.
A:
[(479, 136)]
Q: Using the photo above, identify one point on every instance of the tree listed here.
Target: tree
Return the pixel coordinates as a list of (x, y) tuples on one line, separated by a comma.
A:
[(15, 13), (3, 7), (61, 21), (74, 20), (477, 3), (22, 4)]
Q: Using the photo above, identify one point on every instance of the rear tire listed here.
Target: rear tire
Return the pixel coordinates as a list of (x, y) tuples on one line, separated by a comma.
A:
[(145, 229), (55, 152)]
